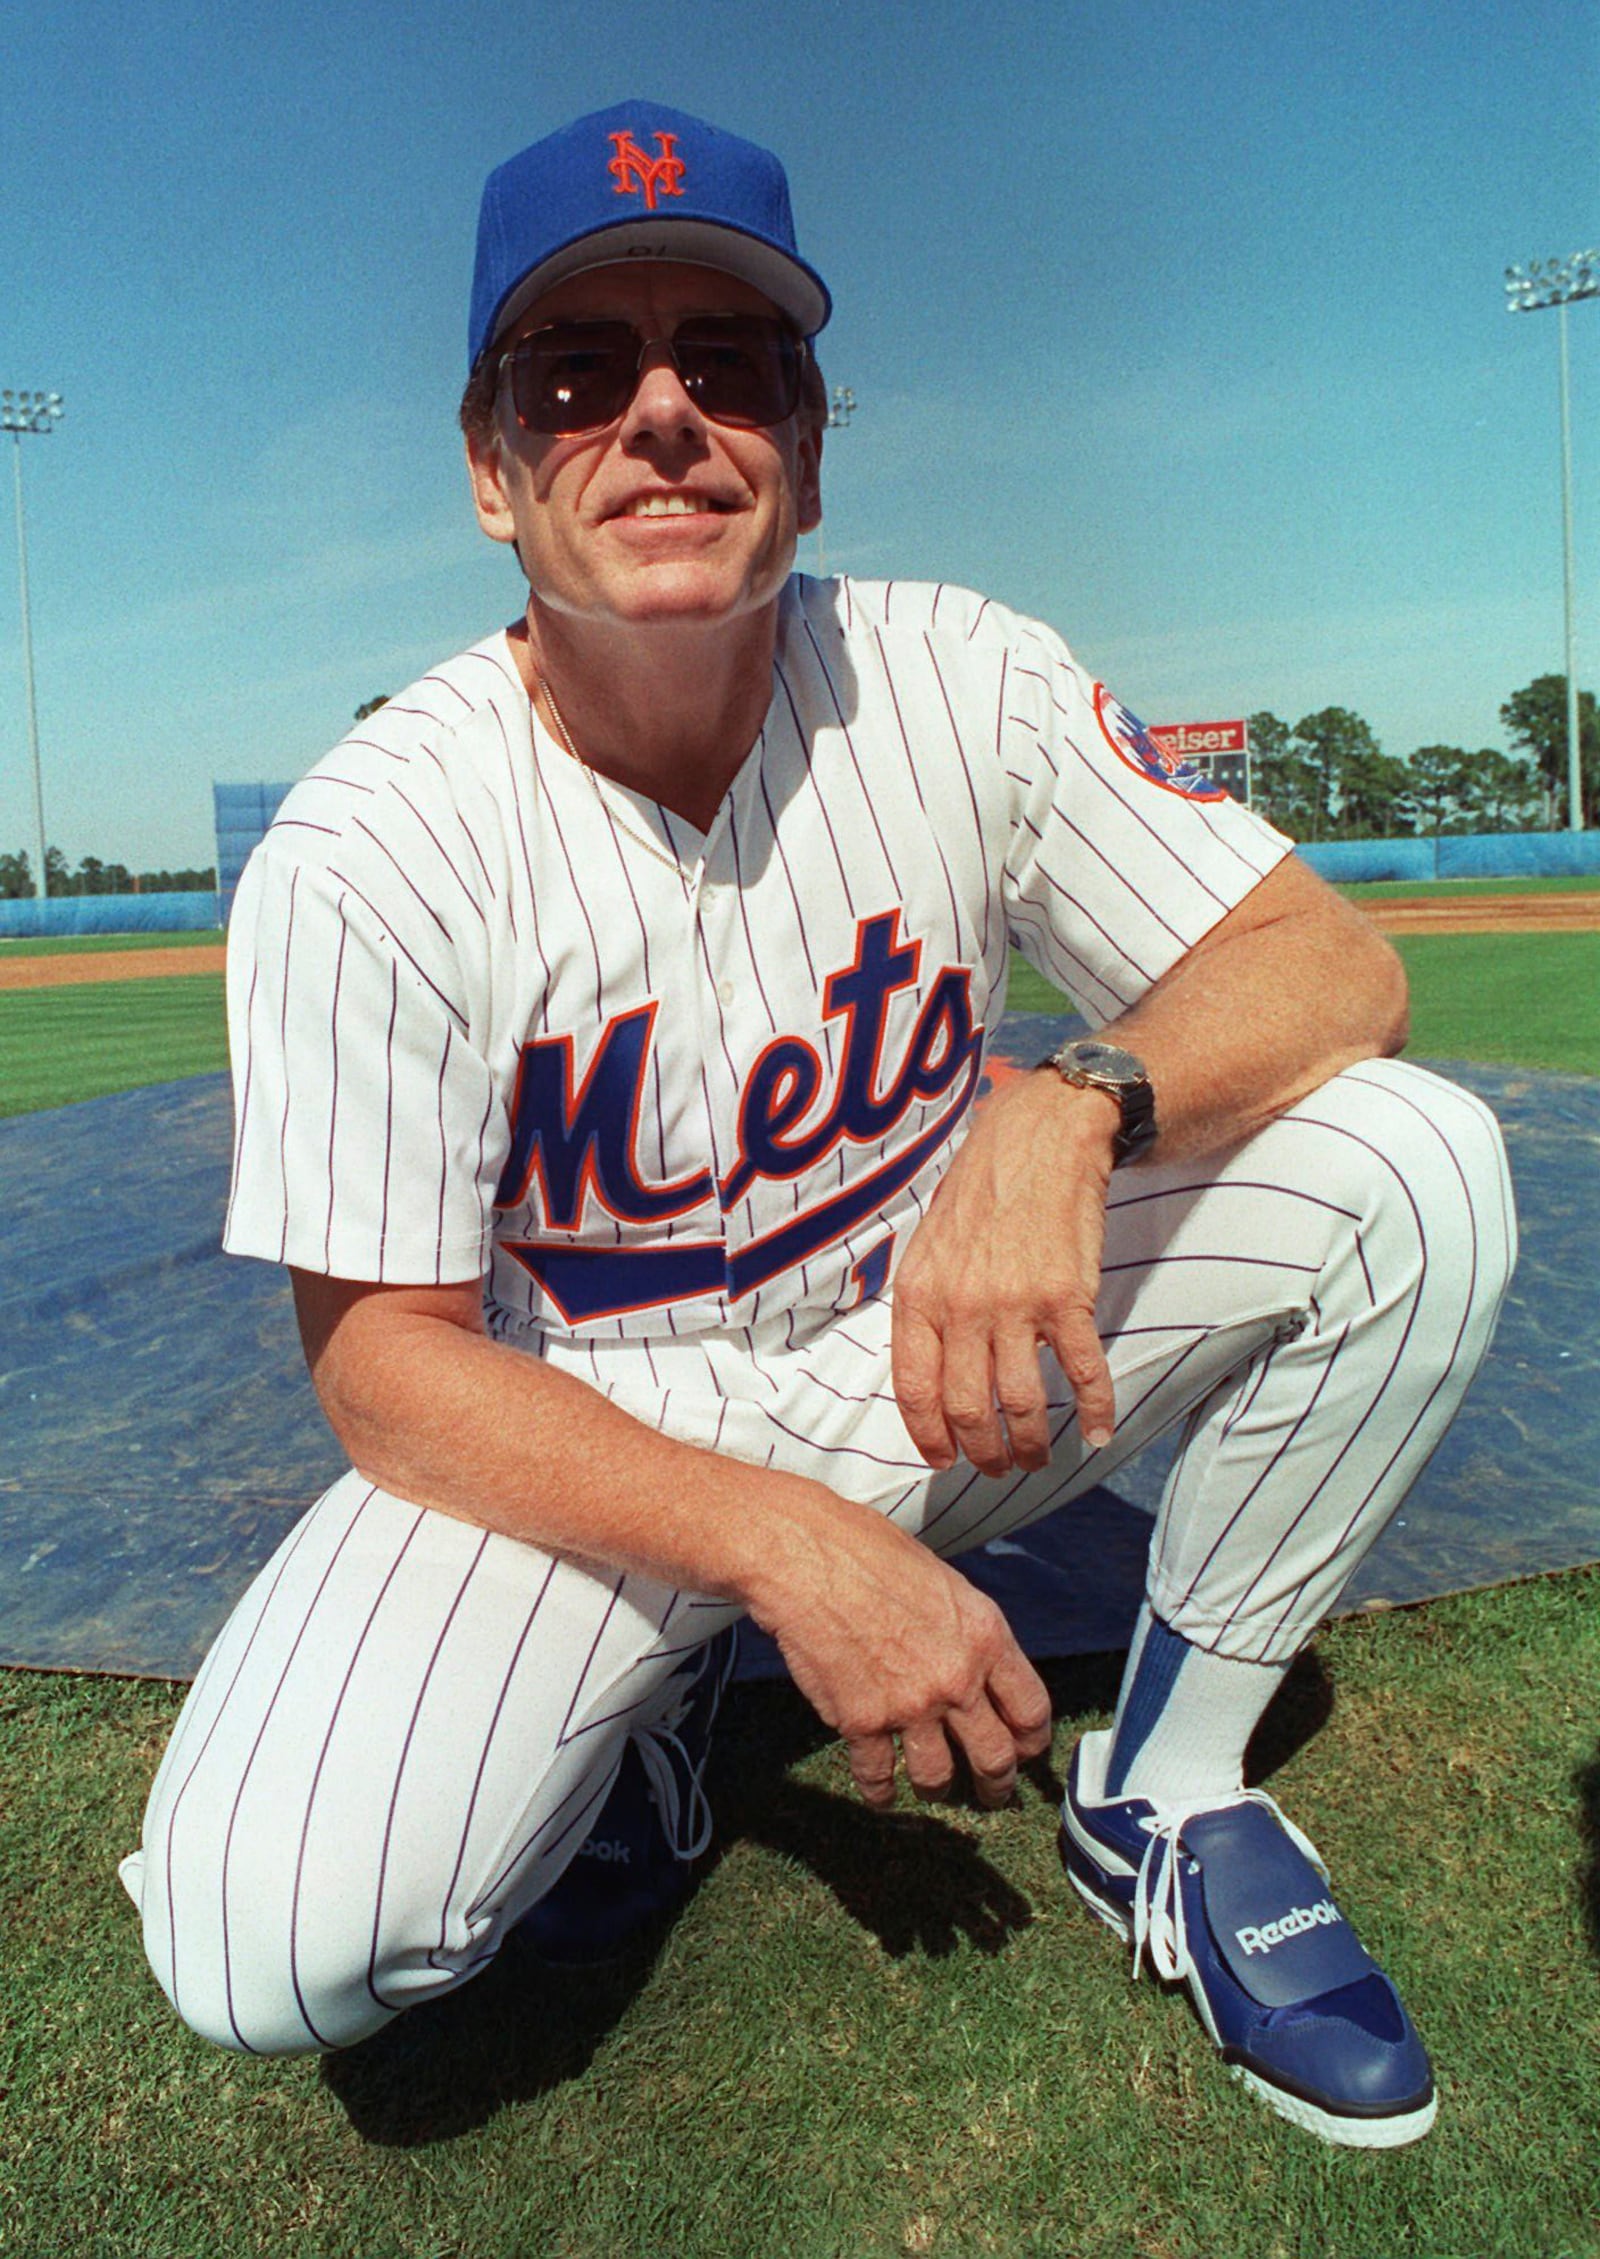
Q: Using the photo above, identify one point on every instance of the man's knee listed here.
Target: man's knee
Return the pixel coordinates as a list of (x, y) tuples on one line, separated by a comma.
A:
[(230, 1967), (1422, 1164), (252, 1963)]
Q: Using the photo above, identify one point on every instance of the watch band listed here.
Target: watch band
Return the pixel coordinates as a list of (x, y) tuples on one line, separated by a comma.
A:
[(1091, 1064)]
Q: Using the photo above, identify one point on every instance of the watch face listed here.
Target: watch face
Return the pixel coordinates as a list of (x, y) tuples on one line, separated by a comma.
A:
[(1106, 1066), (1105, 1061)]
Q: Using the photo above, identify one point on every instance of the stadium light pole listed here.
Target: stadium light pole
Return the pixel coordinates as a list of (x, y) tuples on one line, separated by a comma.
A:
[(29, 412), (1558, 283), (841, 407)]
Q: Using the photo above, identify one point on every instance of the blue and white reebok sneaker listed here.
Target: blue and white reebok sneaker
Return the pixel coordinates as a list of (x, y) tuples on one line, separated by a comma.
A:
[(1230, 1899), (638, 1861)]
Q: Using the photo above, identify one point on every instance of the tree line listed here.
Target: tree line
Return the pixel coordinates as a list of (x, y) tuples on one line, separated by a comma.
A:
[(94, 877), (1329, 778)]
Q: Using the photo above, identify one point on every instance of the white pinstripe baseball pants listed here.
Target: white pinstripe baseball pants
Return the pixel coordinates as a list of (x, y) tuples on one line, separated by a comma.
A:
[(403, 1733)]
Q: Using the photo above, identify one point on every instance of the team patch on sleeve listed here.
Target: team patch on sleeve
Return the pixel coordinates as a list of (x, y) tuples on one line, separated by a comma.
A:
[(1134, 746)]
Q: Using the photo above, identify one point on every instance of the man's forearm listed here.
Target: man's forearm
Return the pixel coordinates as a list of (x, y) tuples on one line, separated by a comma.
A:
[(1285, 993), (431, 1409)]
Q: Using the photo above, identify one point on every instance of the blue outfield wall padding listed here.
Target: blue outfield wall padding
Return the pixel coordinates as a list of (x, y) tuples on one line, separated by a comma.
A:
[(1489, 854), (1520, 854), (33, 920), (1344, 861), (241, 813)]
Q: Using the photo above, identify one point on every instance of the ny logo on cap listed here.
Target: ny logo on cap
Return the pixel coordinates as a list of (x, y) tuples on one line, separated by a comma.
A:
[(636, 171)]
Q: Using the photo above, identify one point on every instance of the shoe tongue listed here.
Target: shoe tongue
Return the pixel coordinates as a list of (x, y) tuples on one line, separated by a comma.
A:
[(1270, 1915)]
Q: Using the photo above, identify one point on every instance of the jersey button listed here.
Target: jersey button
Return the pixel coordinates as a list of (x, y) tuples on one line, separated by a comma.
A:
[(725, 991)]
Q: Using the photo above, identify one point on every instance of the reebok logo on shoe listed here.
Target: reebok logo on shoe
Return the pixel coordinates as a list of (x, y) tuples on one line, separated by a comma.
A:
[(613, 1854), (1262, 1937)]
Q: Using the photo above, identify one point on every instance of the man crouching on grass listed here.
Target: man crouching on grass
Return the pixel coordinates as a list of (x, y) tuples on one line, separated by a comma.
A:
[(608, 1014)]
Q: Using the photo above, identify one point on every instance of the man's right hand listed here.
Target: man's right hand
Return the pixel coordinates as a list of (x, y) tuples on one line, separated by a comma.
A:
[(889, 1644)]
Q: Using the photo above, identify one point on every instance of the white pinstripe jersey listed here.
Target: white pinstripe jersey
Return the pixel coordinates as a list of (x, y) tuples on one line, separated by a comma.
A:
[(478, 1028)]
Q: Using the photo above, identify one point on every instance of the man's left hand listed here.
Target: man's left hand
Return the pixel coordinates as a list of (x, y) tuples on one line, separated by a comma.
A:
[(1006, 1259)]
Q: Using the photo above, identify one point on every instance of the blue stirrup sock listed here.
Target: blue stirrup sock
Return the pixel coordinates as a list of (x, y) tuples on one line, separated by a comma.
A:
[(1184, 1717)]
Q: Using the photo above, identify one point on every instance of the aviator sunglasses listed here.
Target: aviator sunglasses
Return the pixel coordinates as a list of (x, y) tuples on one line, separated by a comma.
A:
[(739, 369)]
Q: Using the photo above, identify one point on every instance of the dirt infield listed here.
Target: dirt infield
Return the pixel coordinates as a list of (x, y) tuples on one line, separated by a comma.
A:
[(1487, 913), (108, 964), (1462, 913)]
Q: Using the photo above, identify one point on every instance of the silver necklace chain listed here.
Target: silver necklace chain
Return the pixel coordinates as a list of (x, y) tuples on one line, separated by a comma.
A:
[(617, 822)]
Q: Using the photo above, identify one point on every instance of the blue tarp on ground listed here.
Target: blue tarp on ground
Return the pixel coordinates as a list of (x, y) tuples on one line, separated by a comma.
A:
[(158, 1436)]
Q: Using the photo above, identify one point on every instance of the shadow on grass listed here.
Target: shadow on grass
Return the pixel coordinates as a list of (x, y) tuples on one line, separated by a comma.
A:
[(1296, 1714), (909, 1878), (912, 1880), (517, 2031)]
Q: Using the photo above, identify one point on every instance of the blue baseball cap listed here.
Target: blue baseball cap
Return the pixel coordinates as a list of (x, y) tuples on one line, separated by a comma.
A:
[(638, 181)]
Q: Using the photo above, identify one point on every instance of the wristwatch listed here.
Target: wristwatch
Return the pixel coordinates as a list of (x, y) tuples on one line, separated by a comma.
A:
[(1094, 1065)]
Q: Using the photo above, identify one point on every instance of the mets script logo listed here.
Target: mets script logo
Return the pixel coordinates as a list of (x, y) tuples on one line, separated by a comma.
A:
[(1132, 743), (661, 174), (575, 1142)]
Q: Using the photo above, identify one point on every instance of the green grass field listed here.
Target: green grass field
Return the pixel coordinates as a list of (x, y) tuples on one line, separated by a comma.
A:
[(86, 944), (1529, 1000), (1376, 890), (866, 2036), (1513, 1000), (61, 1045), (1516, 1000)]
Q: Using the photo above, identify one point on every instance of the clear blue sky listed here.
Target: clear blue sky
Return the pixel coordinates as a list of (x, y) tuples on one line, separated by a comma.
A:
[(1181, 326)]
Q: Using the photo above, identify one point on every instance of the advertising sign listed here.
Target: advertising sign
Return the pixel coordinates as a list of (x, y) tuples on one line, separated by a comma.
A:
[(1220, 749)]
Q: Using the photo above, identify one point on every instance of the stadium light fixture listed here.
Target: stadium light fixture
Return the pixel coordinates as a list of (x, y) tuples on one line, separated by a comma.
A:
[(37, 412), (1560, 283)]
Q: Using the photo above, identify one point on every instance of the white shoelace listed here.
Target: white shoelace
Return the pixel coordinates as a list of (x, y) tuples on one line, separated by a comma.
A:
[(1159, 1926), (687, 1830)]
